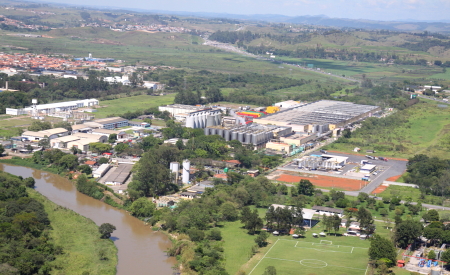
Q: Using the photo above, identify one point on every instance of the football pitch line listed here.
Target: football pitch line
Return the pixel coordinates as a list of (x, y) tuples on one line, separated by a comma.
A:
[(365, 269), (324, 250), (264, 256)]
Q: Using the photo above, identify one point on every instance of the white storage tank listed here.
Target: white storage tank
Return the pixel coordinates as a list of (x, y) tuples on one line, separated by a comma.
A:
[(186, 173)]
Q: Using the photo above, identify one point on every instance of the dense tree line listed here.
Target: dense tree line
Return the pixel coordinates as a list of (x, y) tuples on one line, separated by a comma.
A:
[(25, 246), (430, 174), (203, 87)]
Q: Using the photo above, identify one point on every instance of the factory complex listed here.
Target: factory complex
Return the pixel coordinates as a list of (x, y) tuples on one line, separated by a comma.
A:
[(320, 116), (285, 127)]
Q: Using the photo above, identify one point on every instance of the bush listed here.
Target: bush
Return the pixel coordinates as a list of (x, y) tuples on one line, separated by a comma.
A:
[(196, 235), (215, 235)]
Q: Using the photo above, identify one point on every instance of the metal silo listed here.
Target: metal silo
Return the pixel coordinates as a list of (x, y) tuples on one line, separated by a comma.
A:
[(248, 138), (190, 122), (174, 167), (241, 137), (218, 118), (212, 131), (226, 135), (234, 135), (210, 121), (255, 139), (186, 173), (220, 132), (206, 131)]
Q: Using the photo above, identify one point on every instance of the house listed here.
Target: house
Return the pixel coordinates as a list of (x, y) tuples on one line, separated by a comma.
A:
[(253, 173), (308, 215), (91, 163), (188, 195)]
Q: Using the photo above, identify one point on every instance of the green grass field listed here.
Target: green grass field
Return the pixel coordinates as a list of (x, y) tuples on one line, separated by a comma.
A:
[(80, 240), (132, 103), (314, 256), (426, 132)]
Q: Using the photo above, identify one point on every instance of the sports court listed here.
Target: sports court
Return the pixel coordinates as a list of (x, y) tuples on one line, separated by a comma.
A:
[(319, 257)]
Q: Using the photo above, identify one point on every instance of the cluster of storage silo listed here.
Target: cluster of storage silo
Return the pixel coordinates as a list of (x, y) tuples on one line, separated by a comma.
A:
[(315, 163), (202, 119), (248, 134), (320, 129)]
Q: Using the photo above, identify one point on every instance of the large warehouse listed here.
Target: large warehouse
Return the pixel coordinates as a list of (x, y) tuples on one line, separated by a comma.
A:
[(320, 116)]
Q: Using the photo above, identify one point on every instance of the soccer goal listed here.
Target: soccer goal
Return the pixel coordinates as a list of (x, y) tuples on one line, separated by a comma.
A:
[(326, 242)]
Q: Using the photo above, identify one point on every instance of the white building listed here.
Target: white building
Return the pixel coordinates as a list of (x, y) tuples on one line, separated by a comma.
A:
[(101, 171), (52, 108), (50, 134)]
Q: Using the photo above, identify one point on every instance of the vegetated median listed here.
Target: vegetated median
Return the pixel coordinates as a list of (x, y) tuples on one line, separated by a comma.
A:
[(84, 252)]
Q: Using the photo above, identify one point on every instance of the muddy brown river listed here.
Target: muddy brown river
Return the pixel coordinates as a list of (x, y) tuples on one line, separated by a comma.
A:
[(141, 250)]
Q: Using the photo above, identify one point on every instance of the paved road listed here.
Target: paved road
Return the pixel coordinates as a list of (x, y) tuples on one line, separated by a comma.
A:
[(434, 98)]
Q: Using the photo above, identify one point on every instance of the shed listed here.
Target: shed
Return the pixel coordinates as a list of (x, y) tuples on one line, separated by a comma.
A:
[(101, 171)]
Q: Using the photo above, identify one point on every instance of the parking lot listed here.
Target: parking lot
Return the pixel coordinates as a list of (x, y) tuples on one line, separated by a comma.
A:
[(383, 171)]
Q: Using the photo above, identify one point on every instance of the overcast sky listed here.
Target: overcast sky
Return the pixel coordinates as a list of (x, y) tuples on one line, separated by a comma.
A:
[(357, 9)]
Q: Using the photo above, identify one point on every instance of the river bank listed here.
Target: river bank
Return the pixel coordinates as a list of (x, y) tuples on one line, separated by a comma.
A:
[(140, 250), (83, 250)]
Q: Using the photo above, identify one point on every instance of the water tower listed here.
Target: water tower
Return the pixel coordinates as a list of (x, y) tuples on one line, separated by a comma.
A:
[(34, 112)]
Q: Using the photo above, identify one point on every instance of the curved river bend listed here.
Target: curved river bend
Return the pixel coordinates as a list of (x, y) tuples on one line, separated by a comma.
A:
[(140, 250)]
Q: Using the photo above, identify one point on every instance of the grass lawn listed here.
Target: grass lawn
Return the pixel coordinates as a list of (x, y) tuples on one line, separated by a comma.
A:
[(405, 192), (329, 255), (80, 240), (131, 104), (237, 245)]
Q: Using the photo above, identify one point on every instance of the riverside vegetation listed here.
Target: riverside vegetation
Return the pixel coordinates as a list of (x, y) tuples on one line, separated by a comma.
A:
[(34, 234)]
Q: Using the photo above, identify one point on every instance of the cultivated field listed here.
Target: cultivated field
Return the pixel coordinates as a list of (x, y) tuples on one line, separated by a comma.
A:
[(315, 256)]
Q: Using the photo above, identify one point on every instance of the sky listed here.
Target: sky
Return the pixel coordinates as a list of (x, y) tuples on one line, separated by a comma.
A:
[(356, 9)]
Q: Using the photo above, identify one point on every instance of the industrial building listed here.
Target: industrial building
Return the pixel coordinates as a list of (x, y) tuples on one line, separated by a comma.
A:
[(119, 175), (53, 108), (322, 162), (249, 134), (50, 134), (320, 116), (110, 123), (194, 116), (101, 171)]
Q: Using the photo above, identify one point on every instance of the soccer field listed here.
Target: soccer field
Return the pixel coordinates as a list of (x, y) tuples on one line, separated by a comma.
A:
[(320, 257)]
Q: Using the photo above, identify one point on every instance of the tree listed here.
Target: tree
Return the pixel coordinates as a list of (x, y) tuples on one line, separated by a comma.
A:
[(105, 230), (38, 125), (142, 207), (121, 147), (431, 255), (366, 221), (99, 147), (69, 162), (254, 222), (446, 256), (382, 248), (261, 239), (305, 187), (2, 149), (270, 270), (431, 215), (215, 235), (63, 124), (103, 160), (112, 138), (84, 168), (45, 142), (336, 223), (406, 232)]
